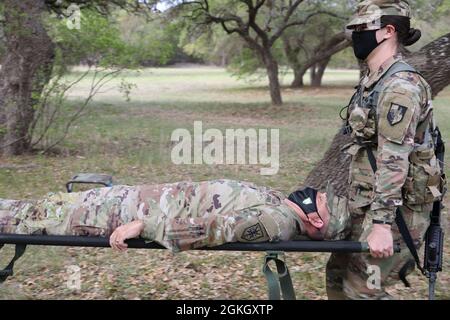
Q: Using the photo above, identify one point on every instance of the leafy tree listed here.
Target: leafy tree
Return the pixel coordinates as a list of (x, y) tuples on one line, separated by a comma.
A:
[(27, 64), (260, 23), (99, 46), (313, 45), (154, 39)]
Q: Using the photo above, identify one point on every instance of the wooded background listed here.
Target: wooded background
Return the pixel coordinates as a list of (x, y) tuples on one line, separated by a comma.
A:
[(248, 37), (106, 96)]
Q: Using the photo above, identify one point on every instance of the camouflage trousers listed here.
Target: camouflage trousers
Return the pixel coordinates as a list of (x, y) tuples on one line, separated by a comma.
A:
[(360, 276), (180, 216)]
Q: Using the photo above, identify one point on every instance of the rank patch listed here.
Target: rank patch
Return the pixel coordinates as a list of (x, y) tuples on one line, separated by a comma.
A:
[(253, 233), (396, 114)]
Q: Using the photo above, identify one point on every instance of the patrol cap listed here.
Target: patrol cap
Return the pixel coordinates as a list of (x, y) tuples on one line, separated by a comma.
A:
[(369, 12)]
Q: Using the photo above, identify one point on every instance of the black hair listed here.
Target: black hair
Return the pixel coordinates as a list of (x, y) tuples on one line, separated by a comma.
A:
[(406, 35)]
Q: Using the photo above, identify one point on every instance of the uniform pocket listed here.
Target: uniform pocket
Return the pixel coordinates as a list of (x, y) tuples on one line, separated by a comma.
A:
[(91, 220), (272, 226), (362, 121), (358, 118), (188, 228), (361, 192), (422, 184), (182, 234)]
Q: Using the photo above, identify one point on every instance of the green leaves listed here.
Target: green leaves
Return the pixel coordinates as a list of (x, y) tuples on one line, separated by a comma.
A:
[(150, 42), (121, 40), (97, 42)]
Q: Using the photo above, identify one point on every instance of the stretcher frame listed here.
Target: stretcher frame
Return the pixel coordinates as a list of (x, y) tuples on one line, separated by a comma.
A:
[(279, 282)]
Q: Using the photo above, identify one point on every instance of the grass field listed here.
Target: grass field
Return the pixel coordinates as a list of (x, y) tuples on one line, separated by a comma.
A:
[(131, 141)]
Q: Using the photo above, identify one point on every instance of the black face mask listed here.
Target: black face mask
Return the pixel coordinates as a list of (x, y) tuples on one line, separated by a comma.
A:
[(364, 42), (305, 199)]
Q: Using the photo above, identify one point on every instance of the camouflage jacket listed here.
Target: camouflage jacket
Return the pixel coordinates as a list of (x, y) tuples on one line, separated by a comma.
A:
[(398, 132)]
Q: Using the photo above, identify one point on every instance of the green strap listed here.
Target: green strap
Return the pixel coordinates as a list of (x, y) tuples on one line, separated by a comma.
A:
[(8, 271), (282, 280), (399, 66)]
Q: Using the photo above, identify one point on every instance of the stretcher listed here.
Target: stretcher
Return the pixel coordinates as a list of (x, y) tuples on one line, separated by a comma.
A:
[(279, 281)]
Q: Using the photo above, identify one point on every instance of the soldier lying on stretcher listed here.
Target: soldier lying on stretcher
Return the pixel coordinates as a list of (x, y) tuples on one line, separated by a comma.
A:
[(183, 215)]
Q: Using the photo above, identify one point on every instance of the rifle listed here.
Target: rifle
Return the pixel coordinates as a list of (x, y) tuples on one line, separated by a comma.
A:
[(434, 247), (434, 237)]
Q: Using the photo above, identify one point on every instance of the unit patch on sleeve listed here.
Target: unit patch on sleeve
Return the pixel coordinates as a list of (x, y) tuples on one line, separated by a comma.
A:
[(253, 233), (396, 114)]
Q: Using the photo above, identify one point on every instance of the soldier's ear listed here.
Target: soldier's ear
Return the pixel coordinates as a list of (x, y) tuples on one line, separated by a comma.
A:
[(390, 31), (315, 220)]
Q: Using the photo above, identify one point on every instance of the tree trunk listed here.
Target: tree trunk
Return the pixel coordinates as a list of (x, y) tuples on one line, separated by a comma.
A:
[(294, 62), (324, 51), (312, 72), (298, 79), (274, 82), (26, 68), (319, 70), (433, 61)]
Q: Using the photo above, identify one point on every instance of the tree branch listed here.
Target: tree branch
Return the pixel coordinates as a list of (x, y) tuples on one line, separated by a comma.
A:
[(304, 21)]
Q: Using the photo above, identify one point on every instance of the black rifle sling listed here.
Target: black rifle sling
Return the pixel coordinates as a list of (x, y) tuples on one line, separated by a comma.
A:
[(399, 220)]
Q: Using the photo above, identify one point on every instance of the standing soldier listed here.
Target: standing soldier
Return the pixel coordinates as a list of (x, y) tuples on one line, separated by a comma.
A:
[(394, 172)]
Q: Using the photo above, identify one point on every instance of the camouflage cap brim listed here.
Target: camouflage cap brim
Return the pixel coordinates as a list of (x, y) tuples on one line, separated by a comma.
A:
[(369, 22), (369, 12)]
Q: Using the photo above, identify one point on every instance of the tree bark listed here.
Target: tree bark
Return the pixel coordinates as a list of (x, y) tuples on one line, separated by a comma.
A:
[(312, 72), (433, 61), (292, 58), (272, 73), (26, 68), (298, 79), (323, 51), (319, 70)]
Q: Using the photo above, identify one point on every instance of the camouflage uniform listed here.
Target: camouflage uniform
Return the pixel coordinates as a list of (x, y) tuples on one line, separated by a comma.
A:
[(397, 130), (180, 216)]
